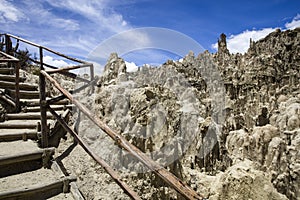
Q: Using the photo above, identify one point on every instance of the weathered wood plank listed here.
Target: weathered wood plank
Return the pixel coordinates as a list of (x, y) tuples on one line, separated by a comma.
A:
[(6, 71), (22, 86), (30, 115), (28, 156), (11, 78), (39, 191), (36, 102), (24, 94), (43, 104), (22, 135)]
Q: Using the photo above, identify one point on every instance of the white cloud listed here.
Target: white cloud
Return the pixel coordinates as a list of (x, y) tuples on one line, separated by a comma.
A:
[(293, 24), (9, 13), (131, 66), (53, 62), (240, 43)]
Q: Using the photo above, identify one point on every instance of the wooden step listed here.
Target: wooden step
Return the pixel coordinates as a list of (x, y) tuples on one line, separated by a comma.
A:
[(23, 156), (55, 107), (6, 71), (24, 94), (19, 124), (39, 191), (22, 86), (36, 102), (38, 184), (8, 135), (26, 156), (28, 116), (11, 78)]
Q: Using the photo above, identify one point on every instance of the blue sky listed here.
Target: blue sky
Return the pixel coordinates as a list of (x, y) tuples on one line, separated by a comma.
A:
[(76, 27)]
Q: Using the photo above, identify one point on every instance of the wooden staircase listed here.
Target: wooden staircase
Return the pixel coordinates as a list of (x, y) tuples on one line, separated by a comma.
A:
[(27, 171)]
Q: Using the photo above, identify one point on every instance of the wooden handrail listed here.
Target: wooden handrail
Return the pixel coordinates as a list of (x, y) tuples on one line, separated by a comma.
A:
[(46, 48), (164, 174)]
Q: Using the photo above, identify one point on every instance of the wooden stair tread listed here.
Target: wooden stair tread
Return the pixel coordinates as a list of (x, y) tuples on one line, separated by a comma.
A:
[(24, 94), (27, 115), (7, 135), (17, 147), (36, 102), (55, 107), (27, 179), (11, 78), (6, 71), (22, 86), (19, 124), (44, 189)]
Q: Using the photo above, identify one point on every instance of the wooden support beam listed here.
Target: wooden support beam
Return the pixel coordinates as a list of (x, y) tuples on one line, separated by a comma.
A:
[(67, 68), (8, 100), (164, 174), (61, 97), (65, 73), (115, 176), (73, 186)]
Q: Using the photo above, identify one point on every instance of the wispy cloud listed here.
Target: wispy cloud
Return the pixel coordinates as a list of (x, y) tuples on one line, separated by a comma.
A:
[(99, 12), (9, 13), (74, 27), (240, 43), (293, 24)]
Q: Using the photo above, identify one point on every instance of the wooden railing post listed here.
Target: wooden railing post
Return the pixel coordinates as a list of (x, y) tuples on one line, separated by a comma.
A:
[(43, 104), (92, 77), (17, 87), (8, 45)]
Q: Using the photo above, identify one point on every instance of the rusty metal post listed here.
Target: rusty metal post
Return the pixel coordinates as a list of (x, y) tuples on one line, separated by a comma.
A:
[(43, 104)]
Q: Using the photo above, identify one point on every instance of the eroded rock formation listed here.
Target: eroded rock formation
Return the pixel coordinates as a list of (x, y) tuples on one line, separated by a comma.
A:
[(227, 124)]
